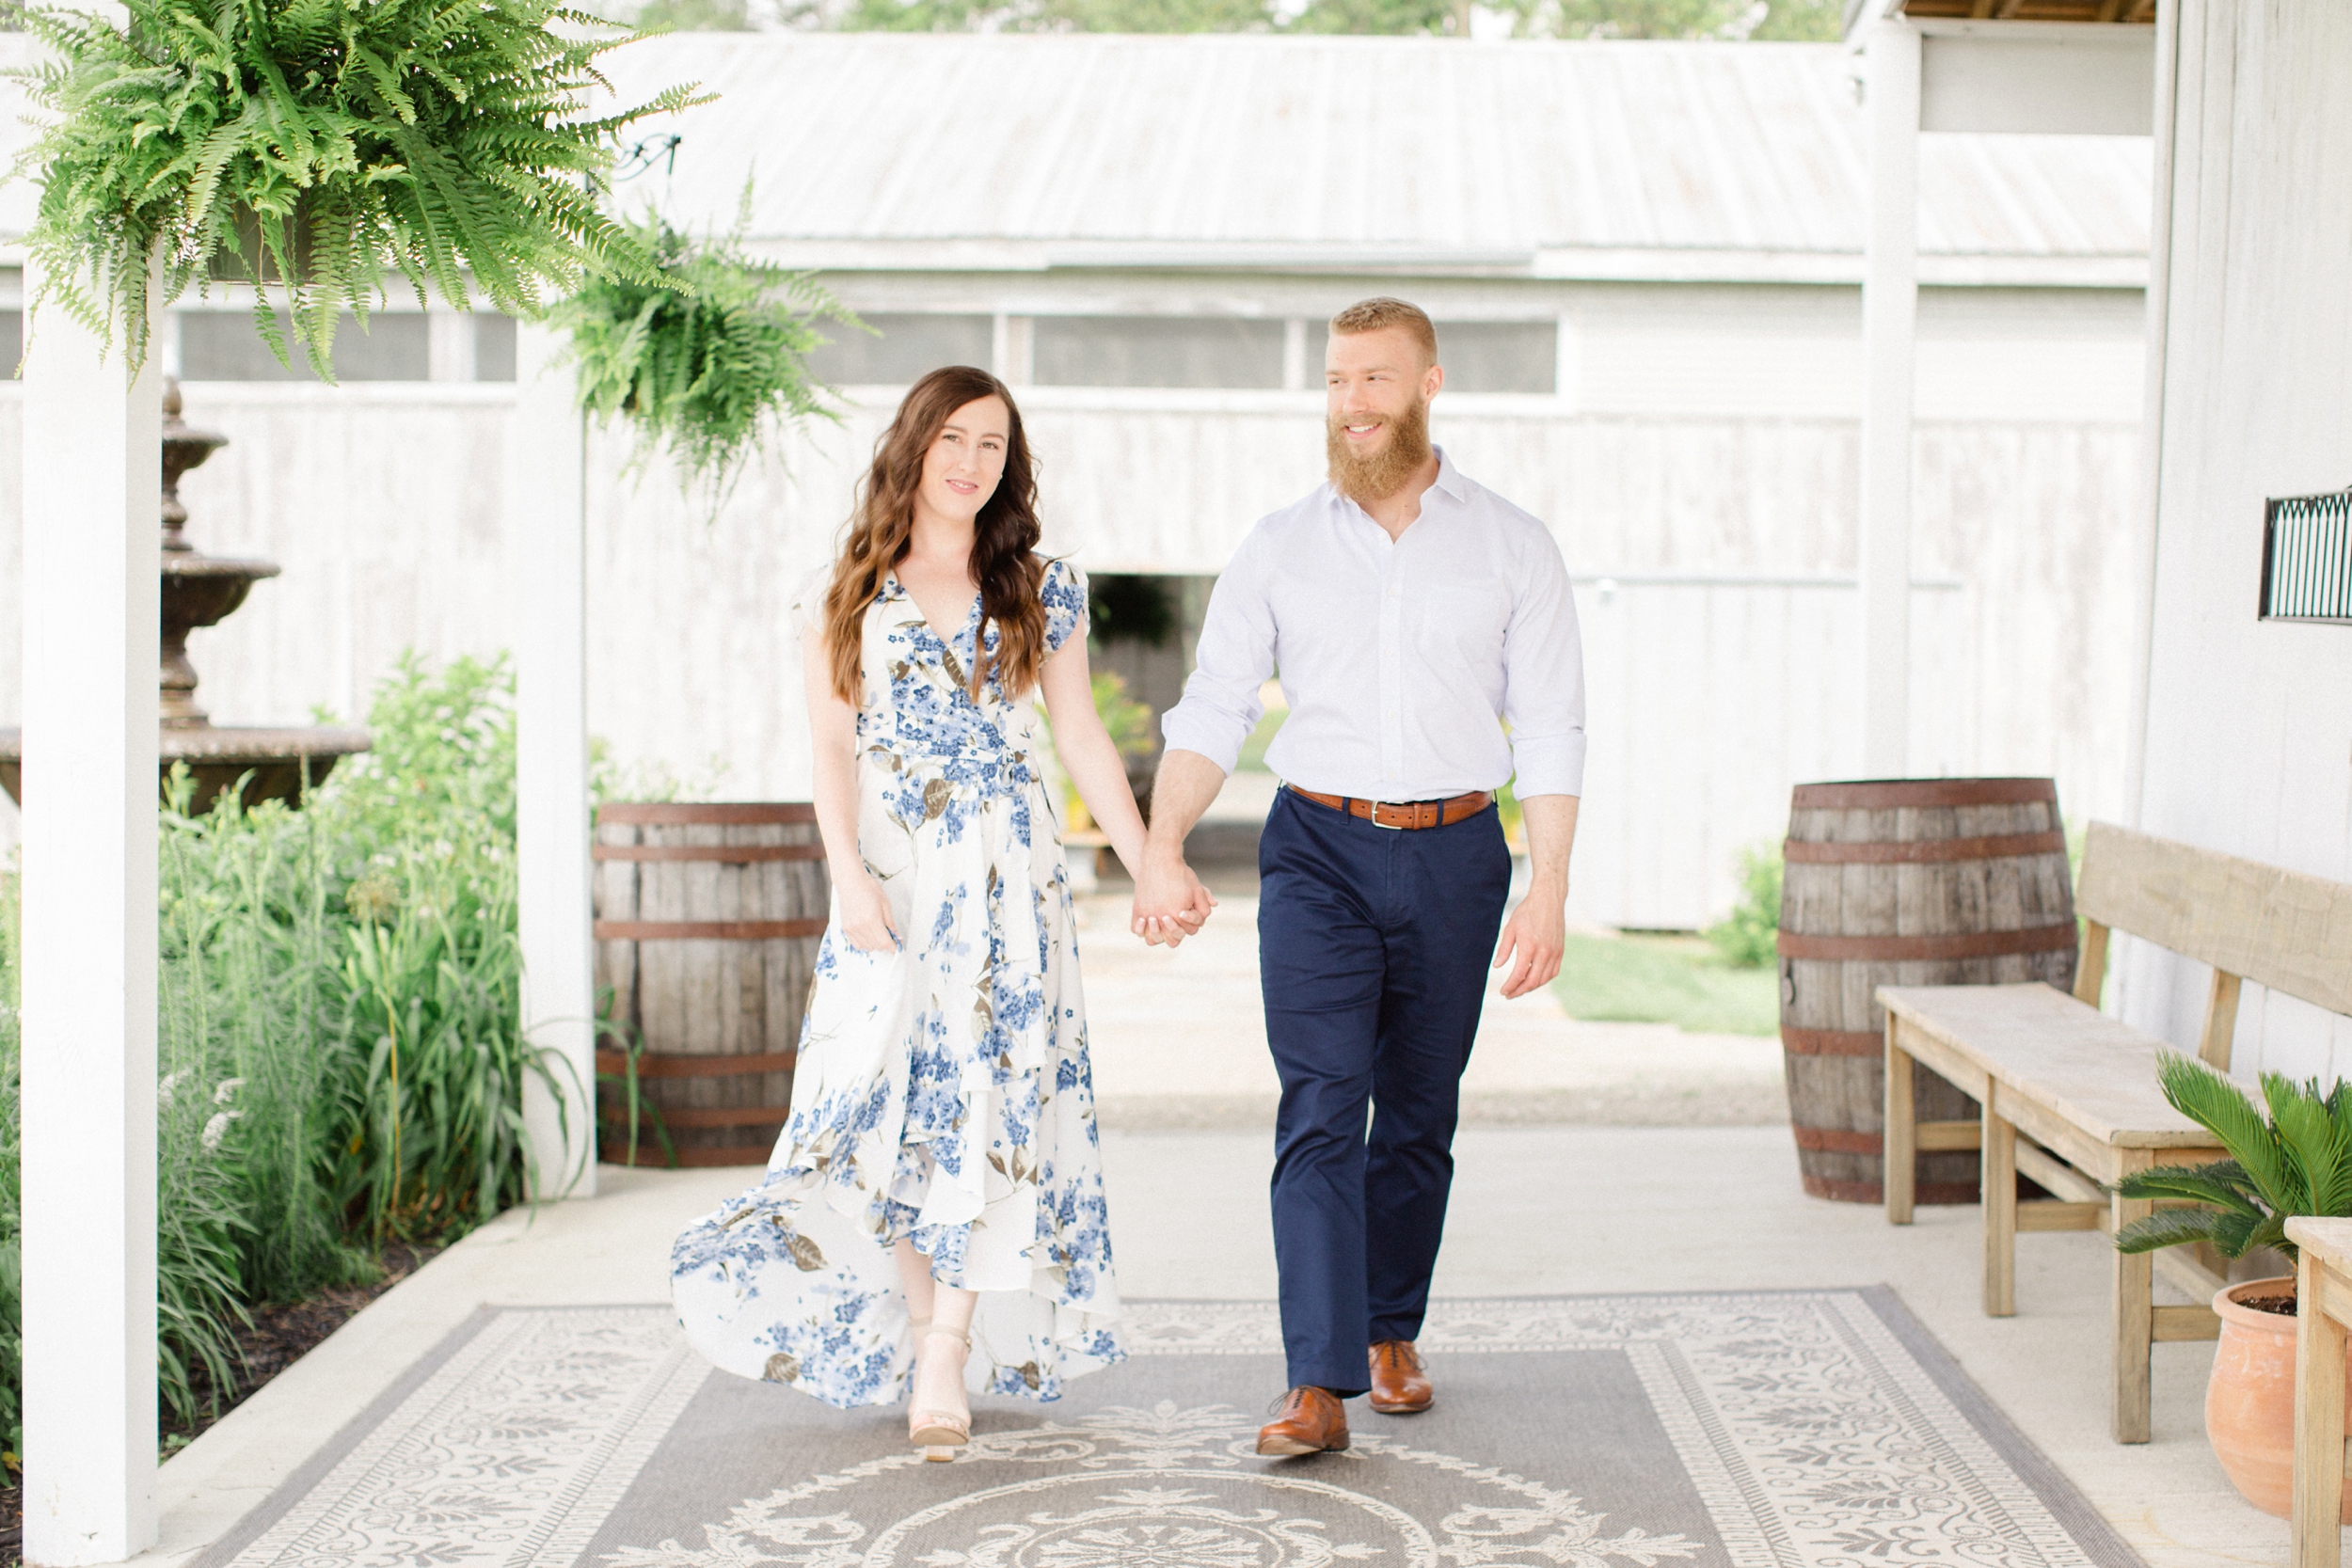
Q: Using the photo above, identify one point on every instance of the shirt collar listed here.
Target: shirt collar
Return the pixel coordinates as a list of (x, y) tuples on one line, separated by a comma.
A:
[(1449, 481), (1450, 477)]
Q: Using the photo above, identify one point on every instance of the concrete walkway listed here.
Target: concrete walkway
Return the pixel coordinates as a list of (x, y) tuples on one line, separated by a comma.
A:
[(1179, 1041), (1537, 1210), (1693, 1201)]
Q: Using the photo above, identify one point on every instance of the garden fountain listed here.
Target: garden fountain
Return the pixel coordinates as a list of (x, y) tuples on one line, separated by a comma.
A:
[(201, 591)]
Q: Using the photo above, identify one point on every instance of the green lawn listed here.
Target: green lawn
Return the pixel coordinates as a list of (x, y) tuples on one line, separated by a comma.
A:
[(1659, 979), (1253, 749)]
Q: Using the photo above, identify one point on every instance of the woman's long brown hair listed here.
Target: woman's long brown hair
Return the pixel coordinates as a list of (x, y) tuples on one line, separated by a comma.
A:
[(1004, 548)]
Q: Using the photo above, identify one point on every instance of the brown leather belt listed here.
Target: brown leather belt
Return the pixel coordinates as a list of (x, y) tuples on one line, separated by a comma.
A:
[(1402, 814)]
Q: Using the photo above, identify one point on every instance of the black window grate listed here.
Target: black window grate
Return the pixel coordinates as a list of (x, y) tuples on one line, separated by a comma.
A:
[(2307, 558)]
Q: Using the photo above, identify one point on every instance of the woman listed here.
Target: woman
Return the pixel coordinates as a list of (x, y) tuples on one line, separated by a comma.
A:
[(935, 1204)]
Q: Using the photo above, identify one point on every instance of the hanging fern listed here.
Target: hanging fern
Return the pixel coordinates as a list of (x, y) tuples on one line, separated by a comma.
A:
[(325, 143), (705, 356)]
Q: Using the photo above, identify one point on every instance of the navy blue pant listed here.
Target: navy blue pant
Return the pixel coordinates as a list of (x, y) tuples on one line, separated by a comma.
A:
[(1373, 946)]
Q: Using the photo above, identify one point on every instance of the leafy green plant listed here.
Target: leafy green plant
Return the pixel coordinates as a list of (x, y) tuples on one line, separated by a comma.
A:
[(649, 778), (340, 1053), (2297, 1161), (637, 1112), (326, 144), (703, 353), (1129, 724), (1128, 721), (1747, 936), (247, 1010), (11, 1185)]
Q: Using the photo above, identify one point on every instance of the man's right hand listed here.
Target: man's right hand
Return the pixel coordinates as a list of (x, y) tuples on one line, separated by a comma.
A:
[(1170, 903)]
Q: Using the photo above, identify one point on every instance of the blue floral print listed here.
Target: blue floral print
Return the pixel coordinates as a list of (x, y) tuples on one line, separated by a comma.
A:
[(943, 1093)]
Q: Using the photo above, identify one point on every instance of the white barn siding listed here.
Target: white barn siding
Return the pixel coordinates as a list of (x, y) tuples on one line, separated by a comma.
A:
[(2249, 724), (1721, 649)]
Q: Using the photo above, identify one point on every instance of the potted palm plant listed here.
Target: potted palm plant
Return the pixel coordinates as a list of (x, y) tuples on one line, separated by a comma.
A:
[(2297, 1159)]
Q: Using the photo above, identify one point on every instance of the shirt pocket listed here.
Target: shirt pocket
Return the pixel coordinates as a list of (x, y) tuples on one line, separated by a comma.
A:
[(1466, 619)]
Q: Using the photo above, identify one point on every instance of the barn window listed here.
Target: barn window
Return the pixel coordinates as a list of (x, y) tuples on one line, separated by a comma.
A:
[(902, 349), (1500, 356), (1157, 351), (222, 345), (2307, 558)]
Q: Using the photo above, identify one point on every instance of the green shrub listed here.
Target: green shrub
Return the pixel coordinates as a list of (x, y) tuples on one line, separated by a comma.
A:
[(1746, 937), (11, 1168), (340, 1055)]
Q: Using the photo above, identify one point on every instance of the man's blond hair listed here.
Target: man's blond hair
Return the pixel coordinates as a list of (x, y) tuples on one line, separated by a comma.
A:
[(1382, 312)]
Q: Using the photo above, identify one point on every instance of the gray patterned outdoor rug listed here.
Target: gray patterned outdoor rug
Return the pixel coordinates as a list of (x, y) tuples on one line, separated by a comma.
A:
[(1773, 1430)]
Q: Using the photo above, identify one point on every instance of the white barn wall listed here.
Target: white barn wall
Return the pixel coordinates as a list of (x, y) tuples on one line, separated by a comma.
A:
[(1721, 660), (2249, 724)]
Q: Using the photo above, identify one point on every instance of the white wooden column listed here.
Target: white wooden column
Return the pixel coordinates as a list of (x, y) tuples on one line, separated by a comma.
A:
[(92, 558), (549, 579), (1890, 310)]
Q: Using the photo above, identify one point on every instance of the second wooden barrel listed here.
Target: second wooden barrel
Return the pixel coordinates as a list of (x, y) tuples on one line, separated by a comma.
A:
[(708, 919), (1906, 882)]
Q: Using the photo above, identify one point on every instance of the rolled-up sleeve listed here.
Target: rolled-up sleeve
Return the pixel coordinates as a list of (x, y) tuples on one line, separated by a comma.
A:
[(1220, 705), (1543, 670)]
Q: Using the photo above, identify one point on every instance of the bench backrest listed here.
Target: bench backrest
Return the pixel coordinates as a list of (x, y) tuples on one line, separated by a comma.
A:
[(2283, 929)]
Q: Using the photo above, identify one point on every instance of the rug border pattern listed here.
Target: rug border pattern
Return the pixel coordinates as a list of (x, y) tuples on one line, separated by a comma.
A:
[(2011, 1486)]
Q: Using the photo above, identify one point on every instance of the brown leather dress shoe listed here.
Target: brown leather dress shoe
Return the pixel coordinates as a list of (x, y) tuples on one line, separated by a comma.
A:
[(1306, 1421), (1400, 1379)]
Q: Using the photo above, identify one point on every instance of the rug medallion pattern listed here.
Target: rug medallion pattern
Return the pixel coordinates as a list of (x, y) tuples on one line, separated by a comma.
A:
[(1781, 1430)]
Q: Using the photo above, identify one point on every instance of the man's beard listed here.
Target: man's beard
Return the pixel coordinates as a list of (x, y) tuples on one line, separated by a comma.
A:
[(1377, 474)]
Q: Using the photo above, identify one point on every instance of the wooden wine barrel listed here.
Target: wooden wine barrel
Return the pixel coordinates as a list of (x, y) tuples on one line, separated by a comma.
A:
[(707, 918), (1910, 882)]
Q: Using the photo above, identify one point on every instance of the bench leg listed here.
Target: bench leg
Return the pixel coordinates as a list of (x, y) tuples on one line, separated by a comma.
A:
[(2319, 1426), (1900, 1142), (2135, 1322), (2000, 1199)]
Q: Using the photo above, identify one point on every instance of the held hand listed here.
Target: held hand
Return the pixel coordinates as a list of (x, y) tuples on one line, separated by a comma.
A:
[(1170, 903), (1533, 939), (866, 915)]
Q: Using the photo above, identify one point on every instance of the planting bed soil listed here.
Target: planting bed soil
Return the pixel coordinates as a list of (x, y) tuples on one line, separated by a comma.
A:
[(280, 1336)]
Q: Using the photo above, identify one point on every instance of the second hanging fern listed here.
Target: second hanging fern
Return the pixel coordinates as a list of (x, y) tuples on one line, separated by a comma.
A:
[(705, 359)]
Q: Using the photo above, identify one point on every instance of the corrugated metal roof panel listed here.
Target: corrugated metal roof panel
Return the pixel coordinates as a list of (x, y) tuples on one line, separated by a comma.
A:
[(1028, 150), (1413, 147)]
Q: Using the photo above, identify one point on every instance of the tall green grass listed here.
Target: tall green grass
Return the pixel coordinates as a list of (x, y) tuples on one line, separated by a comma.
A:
[(340, 1058)]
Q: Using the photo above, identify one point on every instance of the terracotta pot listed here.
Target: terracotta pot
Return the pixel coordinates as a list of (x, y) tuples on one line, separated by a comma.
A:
[(2250, 1400)]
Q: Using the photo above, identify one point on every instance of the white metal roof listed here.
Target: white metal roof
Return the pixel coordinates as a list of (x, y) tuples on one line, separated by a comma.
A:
[(1632, 160), (1615, 159)]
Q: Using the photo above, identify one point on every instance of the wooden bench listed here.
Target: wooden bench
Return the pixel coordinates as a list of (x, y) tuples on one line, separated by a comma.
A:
[(2323, 1308), (2082, 1087)]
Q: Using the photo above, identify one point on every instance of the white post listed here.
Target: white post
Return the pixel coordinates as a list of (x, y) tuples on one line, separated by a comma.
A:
[(548, 538), (2167, 123), (92, 560), (1890, 311)]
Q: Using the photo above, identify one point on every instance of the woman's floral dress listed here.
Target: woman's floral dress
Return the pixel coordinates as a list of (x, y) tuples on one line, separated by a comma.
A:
[(943, 1093)]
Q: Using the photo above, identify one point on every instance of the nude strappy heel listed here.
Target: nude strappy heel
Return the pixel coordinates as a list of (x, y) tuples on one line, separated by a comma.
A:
[(940, 1432)]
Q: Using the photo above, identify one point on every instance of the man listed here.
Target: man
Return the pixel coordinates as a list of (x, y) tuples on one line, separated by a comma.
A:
[(1413, 614)]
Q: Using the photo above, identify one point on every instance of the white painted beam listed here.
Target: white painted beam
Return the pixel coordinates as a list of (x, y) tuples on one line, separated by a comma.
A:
[(2164, 93), (92, 560), (549, 574), (1890, 312), (2081, 79)]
